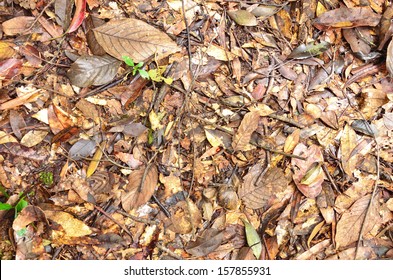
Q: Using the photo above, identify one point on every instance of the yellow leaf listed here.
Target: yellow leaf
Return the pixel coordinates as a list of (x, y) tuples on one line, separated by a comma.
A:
[(95, 160), (6, 138)]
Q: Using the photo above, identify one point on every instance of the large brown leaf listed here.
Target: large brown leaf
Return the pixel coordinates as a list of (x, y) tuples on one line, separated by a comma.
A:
[(134, 38), (140, 187), (243, 135), (349, 226), (259, 190)]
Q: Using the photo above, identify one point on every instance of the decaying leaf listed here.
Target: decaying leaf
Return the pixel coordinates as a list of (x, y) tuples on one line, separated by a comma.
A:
[(261, 190), (347, 18), (349, 226), (185, 216), (209, 241), (242, 137), (134, 38), (243, 17), (93, 70), (141, 186), (308, 174)]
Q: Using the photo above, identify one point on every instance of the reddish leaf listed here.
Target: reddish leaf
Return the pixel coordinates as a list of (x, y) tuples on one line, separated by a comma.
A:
[(308, 175), (79, 16)]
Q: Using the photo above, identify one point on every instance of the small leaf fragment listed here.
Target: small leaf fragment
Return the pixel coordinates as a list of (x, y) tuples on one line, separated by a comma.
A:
[(306, 51), (95, 160)]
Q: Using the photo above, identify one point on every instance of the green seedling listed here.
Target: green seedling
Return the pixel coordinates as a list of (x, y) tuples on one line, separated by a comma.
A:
[(136, 67), (22, 203), (153, 74)]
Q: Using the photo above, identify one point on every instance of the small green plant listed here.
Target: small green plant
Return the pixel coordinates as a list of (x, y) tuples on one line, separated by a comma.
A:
[(46, 178), (152, 74), (136, 67), (22, 203)]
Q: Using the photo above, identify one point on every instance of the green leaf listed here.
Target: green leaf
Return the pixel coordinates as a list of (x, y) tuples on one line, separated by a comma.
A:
[(139, 65), (21, 204), (128, 60), (21, 232), (253, 239), (144, 74), (5, 206)]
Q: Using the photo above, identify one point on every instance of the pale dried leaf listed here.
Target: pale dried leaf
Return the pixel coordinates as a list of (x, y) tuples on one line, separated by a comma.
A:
[(33, 137), (243, 17)]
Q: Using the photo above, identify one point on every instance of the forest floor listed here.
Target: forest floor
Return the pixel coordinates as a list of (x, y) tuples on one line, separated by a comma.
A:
[(189, 129)]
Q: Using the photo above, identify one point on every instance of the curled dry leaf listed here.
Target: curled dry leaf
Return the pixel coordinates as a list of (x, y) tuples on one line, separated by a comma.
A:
[(259, 191), (349, 226), (134, 38), (308, 175), (141, 186), (209, 241), (79, 16), (93, 70)]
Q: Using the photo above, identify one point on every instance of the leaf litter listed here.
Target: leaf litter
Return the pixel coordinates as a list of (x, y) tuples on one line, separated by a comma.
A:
[(261, 131)]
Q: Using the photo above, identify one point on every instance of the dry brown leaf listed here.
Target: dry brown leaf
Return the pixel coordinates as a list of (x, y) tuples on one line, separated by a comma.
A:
[(308, 175), (349, 226), (134, 38), (347, 144), (17, 25), (185, 216), (71, 226), (242, 137), (209, 241), (260, 191), (140, 187), (243, 17), (347, 18)]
